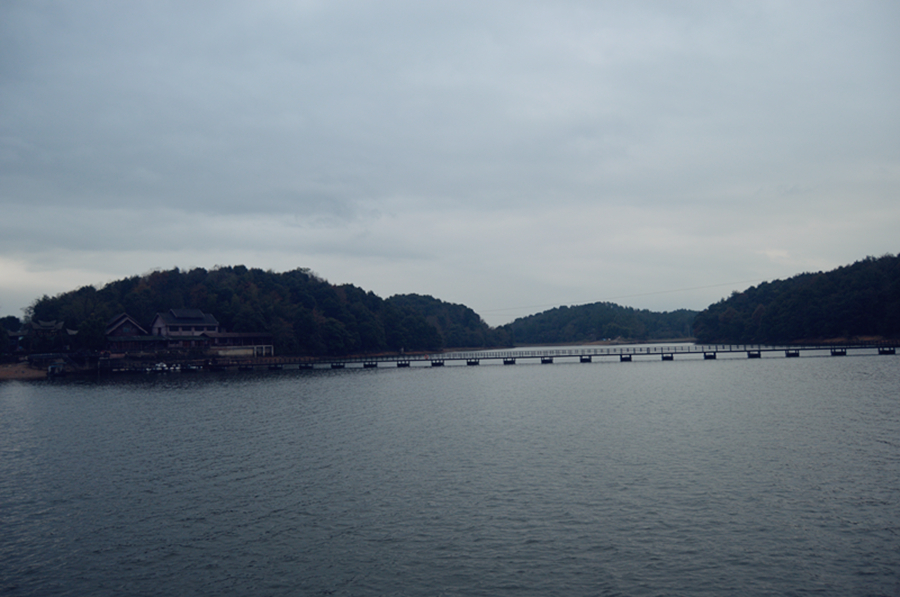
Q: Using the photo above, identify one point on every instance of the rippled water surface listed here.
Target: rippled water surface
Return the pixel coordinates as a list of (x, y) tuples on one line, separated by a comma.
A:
[(729, 477)]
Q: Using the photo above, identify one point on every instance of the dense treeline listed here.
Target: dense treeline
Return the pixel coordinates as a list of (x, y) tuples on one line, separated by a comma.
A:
[(862, 299), (307, 315), (304, 313), (9, 323), (459, 326), (599, 321)]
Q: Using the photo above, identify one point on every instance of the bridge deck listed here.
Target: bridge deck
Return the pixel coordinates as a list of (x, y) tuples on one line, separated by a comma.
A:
[(586, 354)]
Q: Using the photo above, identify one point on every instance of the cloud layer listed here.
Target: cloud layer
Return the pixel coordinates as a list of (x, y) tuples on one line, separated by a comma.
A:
[(516, 155)]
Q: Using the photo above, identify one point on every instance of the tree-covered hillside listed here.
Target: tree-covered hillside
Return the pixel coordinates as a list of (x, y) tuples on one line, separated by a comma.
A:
[(862, 299), (459, 326), (599, 321), (304, 313)]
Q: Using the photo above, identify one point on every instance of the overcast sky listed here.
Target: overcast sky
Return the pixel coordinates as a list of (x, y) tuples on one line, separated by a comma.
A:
[(510, 156)]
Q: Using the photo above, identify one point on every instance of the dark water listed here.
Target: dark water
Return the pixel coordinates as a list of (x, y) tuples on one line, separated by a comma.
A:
[(729, 477)]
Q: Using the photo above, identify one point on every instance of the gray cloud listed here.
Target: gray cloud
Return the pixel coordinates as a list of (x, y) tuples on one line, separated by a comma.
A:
[(568, 152)]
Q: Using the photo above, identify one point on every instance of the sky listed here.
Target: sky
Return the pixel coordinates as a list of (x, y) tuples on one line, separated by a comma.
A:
[(511, 156)]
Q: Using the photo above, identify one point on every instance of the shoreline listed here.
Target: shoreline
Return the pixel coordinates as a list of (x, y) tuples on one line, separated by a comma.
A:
[(20, 372)]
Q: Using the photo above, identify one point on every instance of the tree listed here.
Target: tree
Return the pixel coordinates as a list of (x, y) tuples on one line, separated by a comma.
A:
[(92, 334)]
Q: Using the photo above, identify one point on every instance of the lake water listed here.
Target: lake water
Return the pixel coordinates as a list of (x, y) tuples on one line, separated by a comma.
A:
[(729, 477)]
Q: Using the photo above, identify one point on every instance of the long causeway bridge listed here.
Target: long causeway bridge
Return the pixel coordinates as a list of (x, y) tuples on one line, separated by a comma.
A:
[(581, 354)]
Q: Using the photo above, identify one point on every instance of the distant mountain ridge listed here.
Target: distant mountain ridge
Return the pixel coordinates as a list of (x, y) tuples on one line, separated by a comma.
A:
[(599, 321), (862, 299)]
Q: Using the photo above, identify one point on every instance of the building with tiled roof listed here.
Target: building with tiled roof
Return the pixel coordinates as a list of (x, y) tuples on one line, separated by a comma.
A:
[(183, 322)]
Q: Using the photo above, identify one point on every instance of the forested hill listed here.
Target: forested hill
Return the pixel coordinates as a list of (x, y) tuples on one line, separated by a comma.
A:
[(304, 313), (458, 325), (599, 321), (862, 299)]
